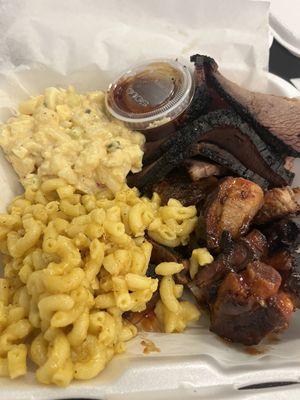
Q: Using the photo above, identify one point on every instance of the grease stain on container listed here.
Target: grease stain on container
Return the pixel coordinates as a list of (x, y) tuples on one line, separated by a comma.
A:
[(149, 346), (255, 351)]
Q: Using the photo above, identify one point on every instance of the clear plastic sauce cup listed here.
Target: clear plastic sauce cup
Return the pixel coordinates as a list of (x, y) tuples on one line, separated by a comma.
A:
[(152, 97)]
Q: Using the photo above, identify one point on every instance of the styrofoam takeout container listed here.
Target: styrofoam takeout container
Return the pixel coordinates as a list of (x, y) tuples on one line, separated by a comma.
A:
[(284, 23), (192, 365)]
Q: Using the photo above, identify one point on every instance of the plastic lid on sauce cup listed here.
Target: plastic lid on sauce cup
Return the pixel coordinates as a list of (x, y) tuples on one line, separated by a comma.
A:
[(151, 95)]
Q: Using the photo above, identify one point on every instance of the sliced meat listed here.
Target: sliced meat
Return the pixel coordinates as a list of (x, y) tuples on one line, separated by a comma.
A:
[(249, 305), (243, 143), (152, 151), (276, 119), (235, 256), (278, 203), (172, 153), (201, 101), (178, 186), (231, 207), (179, 146), (198, 169), (227, 160)]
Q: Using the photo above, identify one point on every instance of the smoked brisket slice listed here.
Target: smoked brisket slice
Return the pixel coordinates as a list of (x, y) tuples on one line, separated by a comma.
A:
[(252, 152), (225, 159), (174, 150), (276, 119), (239, 139)]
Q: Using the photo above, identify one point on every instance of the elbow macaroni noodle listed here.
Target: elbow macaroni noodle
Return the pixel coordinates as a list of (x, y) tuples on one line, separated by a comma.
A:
[(173, 315), (73, 264), (199, 258)]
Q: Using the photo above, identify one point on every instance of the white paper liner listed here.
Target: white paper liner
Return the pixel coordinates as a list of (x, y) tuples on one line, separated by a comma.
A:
[(86, 44)]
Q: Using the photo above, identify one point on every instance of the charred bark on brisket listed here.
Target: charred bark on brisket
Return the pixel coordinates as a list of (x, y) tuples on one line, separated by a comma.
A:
[(276, 119), (178, 147), (201, 99), (222, 157), (241, 141)]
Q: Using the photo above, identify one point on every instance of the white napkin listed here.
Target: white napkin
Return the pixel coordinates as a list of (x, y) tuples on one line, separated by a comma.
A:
[(71, 34)]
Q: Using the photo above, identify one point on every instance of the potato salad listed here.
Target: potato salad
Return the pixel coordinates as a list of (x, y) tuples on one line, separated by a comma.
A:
[(64, 134)]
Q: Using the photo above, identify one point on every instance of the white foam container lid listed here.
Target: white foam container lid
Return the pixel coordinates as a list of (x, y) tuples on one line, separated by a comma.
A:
[(284, 23), (192, 365)]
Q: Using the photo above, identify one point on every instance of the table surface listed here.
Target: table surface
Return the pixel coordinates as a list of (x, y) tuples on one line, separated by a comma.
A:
[(283, 63)]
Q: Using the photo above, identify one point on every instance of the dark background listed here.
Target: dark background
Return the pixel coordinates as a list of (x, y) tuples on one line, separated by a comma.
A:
[(283, 63)]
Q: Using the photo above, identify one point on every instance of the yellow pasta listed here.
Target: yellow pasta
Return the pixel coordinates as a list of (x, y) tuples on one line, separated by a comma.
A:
[(105, 300), (166, 291), (199, 258), (56, 359), (73, 265), (16, 361), (168, 268), (176, 321)]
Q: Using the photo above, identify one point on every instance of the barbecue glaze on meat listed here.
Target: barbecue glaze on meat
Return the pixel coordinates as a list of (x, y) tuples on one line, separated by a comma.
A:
[(250, 305), (253, 286), (231, 207), (235, 256)]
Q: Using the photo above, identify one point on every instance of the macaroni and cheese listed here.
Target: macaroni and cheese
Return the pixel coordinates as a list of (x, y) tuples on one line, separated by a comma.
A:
[(68, 135), (73, 264)]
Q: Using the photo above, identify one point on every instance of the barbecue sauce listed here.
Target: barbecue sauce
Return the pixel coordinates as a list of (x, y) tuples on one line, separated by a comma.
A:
[(146, 91), (152, 98)]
